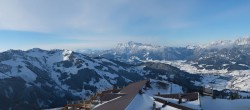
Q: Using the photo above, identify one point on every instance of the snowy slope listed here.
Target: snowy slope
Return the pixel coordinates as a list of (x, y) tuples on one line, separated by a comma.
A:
[(45, 79), (218, 79)]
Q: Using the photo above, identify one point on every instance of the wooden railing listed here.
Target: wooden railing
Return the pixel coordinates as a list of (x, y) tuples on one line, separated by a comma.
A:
[(87, 105), (76, 105)]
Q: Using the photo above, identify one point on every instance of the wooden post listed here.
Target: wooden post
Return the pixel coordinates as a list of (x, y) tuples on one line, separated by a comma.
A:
[(171, 88), (84, 104), (180, 98), (67, 105), (154, 105), (199, 99), (90, 105)]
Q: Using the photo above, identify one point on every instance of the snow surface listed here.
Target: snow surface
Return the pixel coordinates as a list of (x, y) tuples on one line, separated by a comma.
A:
[(145, 101), (191, 104)]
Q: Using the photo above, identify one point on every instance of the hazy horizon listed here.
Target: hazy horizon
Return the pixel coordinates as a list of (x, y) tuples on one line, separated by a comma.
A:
[(79, 24)]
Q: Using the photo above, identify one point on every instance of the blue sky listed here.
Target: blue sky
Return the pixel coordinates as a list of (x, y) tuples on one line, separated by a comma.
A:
[(101, 24)]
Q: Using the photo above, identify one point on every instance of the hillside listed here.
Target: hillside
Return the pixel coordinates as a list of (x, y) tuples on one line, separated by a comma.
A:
[(37, 78)]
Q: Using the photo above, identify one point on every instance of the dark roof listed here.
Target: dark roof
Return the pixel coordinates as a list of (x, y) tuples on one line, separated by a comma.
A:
[(110, 96), (111, 91), (121, 103)]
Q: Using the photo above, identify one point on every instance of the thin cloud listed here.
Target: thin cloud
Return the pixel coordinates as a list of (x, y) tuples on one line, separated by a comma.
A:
[(94, 16)]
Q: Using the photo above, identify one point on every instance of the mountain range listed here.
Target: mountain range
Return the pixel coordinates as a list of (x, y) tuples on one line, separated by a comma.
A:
[(227, 54), (39, 79)]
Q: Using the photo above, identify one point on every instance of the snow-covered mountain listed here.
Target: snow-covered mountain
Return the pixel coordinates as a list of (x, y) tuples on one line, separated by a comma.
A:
[(135, 52), (36, 78), (227, 54), (226, 43)]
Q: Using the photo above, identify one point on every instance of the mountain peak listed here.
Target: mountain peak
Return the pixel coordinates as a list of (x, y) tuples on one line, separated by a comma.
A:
[(35, 50), (218, 44), (226, 43), (129, 44), (242, 41), (132, 44)]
